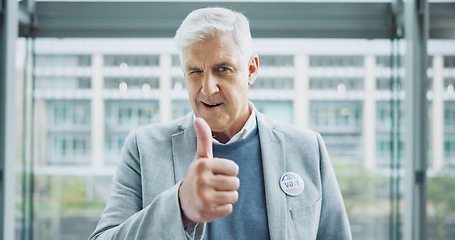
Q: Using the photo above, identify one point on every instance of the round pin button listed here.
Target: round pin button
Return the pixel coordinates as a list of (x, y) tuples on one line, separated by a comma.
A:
[(292, 184)]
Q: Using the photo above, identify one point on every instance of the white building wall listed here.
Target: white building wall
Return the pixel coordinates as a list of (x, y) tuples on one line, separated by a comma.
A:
[(301, 88), (97, 112), (369, 113), (437, 115)]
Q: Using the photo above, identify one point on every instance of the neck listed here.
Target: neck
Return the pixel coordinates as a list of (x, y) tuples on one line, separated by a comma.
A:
[(221, 137)]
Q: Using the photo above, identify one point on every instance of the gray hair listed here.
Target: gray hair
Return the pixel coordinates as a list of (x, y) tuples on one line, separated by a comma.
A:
[(206, 24)]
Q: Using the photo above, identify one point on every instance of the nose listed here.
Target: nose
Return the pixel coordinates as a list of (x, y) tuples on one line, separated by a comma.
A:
[(209, 85)]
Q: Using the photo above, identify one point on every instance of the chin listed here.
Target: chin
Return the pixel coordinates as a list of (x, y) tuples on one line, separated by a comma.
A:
[(216, 125)]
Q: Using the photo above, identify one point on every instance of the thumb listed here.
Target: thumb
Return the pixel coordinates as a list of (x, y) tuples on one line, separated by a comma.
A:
[(204, 139)]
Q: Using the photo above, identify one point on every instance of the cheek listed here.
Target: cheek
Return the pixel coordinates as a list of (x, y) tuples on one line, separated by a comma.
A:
[(242, 84), (237, 93), (191, 88), (192, 93)]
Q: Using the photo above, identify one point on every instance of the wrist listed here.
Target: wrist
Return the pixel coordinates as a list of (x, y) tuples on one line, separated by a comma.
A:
[(185, 220)]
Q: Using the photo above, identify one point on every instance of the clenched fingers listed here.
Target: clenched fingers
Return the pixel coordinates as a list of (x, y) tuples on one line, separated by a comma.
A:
[(224, 183), (223, 166)]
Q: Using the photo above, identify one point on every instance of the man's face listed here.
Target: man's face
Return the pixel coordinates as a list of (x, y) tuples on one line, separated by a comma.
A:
[(217, 77)]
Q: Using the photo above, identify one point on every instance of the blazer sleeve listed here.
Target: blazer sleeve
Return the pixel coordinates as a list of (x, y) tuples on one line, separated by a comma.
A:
[(124, 216), (333, 223)]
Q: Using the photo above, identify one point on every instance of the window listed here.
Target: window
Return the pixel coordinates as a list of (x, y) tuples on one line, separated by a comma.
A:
[(125, 61), (89, 93), (336, 98)]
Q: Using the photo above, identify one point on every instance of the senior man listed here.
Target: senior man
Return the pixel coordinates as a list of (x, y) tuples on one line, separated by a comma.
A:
[(224, 171)]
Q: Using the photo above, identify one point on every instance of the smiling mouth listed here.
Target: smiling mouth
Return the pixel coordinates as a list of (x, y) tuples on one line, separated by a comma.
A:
[(211, 105)]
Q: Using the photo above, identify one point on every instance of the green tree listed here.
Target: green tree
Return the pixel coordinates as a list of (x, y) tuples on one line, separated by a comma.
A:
[(358, 186), (441, 200)]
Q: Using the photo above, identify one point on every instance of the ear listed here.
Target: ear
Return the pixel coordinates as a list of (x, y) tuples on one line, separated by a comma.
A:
[(253, 66)]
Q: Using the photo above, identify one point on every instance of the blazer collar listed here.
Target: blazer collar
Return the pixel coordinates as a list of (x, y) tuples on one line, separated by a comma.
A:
[(183, 147)]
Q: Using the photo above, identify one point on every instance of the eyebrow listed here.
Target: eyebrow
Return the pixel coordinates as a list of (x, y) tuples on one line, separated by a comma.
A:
[(223, 64), (189, 69)]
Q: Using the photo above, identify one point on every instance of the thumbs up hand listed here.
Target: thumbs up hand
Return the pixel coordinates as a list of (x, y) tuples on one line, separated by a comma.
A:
[(210, 186)]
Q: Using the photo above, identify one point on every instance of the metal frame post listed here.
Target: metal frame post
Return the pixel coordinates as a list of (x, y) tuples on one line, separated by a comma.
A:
[(8, 35), (416, 80)]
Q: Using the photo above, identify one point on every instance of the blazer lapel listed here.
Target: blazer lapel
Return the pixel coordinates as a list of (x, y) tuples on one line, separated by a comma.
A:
[(274, 166), (183, 147)]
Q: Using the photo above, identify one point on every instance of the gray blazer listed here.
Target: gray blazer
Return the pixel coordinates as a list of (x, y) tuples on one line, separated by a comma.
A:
[(144, 201)]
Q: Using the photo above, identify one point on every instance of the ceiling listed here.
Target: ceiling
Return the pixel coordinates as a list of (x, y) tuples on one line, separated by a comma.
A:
[(268, 19)]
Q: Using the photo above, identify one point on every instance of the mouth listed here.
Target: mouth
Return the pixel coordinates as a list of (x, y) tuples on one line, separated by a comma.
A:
[(211, 105)]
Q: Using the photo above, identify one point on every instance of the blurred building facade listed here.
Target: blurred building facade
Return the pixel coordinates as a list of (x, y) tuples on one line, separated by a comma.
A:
[(89, 93), (89, 96)]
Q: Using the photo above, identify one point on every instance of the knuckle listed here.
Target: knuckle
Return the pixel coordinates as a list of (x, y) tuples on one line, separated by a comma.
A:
[(236, 183), (205, 198), (236, 196), (235, 168), (229, 209), (201, 182), (201, 165)]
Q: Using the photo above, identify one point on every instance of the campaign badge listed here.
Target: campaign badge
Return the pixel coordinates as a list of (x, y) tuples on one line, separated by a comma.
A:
[(292, 184)]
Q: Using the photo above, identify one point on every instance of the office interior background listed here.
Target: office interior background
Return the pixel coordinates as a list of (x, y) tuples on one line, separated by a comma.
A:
[(375, 78)]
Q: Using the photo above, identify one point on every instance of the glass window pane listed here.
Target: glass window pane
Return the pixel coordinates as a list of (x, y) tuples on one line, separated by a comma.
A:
[(80, 126), (441, 172)]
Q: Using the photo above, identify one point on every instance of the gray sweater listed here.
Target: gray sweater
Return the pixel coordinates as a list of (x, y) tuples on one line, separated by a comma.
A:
[(249, 218)]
